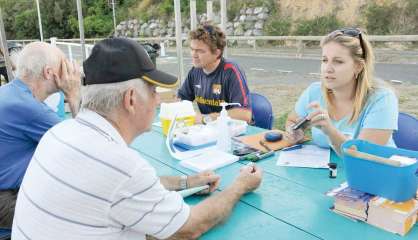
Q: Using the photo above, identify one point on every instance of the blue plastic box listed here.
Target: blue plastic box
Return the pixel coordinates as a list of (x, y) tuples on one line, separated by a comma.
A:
[(394, 183)]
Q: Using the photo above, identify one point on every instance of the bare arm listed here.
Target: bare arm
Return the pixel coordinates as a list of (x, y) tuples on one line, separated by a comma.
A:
[(377, 136), (240, 114), (204, 178), (171, 183), (321, 119), (205, 215), (74, 104), (69, 81), (336, 138), (217, 208)]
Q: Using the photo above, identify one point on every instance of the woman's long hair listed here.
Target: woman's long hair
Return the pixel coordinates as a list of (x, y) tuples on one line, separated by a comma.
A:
[(362, 53)]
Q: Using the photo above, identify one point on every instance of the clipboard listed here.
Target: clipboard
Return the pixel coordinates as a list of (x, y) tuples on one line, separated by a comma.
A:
[(254, 141)]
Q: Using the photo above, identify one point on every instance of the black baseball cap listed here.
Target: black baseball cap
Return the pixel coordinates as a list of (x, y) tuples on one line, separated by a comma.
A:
[(115, 60)]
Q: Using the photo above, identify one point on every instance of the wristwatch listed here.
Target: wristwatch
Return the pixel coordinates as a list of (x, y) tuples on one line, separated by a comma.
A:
[(183, 182)]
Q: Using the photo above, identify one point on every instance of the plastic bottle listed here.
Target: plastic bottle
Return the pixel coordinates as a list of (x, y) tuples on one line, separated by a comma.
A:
[(332, 170), (223, 142)]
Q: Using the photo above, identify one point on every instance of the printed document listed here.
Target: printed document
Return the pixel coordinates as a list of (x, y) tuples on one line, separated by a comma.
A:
[(309, 156)]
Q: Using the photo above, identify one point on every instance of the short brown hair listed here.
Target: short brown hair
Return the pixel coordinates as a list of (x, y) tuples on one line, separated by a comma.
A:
[(211, 35)]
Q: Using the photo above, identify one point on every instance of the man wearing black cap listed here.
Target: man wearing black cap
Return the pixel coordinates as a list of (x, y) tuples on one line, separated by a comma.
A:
[(84, 182)]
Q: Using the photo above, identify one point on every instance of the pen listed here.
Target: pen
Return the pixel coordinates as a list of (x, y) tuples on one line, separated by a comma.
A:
[(266, 155), (190, 191), (262, 143), (294, 147)]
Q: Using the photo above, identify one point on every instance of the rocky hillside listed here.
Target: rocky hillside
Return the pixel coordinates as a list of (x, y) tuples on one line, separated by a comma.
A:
[(283, 17), (348, 11)]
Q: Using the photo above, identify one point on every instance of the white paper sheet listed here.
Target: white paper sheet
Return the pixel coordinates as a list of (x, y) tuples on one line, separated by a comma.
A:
[(210, 160), (309, 156)]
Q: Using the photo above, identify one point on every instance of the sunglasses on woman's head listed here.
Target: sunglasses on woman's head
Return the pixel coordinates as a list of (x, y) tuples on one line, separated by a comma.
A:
[(352, 32)]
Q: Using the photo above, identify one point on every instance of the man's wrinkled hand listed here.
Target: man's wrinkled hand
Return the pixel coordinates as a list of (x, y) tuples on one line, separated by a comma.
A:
[(205, 178), (69, 79)]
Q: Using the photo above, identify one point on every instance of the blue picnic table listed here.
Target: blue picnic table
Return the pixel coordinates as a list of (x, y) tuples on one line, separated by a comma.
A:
[(290, 203)]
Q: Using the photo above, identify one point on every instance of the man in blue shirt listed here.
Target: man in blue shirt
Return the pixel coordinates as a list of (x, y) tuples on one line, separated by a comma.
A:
[(213, 79), (41, 71)]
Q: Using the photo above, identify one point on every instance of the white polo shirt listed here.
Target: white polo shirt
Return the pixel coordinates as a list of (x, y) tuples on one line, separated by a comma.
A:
[(84, 182)]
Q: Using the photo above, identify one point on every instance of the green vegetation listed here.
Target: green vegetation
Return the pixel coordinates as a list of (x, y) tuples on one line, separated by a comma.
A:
[(280, 121), (392, 18), (380, 19), (276, 26), (318, 26), (59, 17)]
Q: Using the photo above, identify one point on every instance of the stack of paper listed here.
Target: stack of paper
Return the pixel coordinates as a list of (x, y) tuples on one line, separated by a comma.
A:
[(391, 216)]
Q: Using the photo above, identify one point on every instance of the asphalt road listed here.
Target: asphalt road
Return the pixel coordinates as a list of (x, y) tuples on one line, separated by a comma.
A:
[(281, 67), (270, 69)]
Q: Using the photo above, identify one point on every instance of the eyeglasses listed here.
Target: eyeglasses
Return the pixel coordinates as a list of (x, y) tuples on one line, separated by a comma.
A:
[(352, 32)]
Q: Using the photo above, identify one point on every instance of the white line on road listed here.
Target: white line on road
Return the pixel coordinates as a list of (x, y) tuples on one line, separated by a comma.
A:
[(395, 81), (315, 74), (284, 71), (257, 69)]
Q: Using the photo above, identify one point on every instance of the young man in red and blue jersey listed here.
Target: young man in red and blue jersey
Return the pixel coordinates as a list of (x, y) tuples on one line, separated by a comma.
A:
[(214, 79)]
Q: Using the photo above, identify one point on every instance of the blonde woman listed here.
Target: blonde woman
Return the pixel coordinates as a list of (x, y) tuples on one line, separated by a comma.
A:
[(347, 103)]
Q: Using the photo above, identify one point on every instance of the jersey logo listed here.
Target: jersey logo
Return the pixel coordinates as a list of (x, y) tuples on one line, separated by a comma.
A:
[(216, 89), (198, 86)]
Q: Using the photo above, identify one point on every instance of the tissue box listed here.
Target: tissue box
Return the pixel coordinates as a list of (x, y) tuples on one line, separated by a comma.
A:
[(398, 184)]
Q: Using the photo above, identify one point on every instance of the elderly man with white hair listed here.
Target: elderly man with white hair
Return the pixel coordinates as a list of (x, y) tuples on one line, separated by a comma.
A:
[(41, 70), (84, 181)]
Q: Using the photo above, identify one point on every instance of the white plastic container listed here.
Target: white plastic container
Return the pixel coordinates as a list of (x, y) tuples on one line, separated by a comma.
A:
[(183, 110), (223, 142)]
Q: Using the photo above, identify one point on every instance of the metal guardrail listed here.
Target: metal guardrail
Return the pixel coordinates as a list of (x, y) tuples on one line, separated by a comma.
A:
[(251, 40), (71, 45), (372, 38)]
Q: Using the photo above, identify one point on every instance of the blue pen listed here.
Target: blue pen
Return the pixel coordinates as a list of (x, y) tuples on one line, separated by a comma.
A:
[(294, 147)]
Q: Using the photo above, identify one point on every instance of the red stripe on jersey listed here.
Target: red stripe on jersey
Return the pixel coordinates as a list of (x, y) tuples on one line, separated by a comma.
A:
[(238, 75)]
